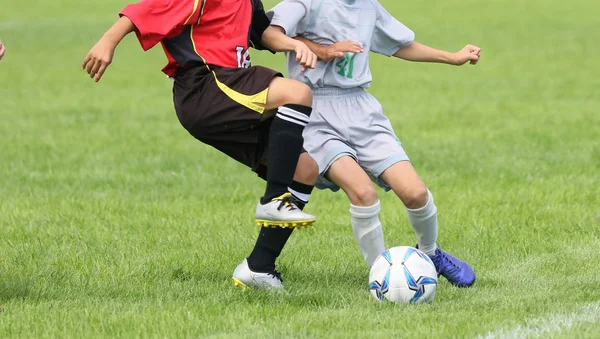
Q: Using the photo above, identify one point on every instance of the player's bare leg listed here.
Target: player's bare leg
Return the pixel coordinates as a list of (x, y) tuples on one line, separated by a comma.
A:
[(364, 206), (292, 100), (290, 180), (422, 215)]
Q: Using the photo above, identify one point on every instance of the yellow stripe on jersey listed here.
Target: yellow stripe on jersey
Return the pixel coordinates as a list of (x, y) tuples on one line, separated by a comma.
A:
[(194, 45), (193, 11), (201, 11), (255, 102), (192, 32)]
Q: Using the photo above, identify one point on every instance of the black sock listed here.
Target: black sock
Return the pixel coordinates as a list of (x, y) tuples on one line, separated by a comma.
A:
[(268, 246), (301, 199), (285, 145), (271, 241)]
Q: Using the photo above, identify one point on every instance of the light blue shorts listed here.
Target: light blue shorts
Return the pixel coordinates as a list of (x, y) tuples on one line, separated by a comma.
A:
[(351, 122)]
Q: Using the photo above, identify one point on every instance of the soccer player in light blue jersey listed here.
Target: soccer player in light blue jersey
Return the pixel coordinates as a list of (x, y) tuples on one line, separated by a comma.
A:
[(348, 135)]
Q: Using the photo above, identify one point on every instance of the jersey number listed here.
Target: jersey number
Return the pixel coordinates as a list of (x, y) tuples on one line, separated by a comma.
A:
[(243, 58), (346, 65)]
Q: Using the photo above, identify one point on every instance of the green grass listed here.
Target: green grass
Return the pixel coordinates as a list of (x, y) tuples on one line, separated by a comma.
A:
[(114, 222)]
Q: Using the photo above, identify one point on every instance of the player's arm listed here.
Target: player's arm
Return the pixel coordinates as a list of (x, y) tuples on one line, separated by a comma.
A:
[(101, 55), (263, 35), (422, 53), (2, 50), (274, 38), (333, 51), (393, 38), (151, 20)]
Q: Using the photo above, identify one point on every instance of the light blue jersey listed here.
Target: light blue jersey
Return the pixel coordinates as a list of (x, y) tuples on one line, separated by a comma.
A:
[(328, 21)]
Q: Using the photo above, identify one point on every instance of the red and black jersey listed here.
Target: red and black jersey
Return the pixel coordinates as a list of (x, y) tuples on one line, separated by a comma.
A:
[(192, 32)]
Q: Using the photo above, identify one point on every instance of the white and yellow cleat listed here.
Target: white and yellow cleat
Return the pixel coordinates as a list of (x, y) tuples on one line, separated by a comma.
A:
[(282, 212), (244, 277)]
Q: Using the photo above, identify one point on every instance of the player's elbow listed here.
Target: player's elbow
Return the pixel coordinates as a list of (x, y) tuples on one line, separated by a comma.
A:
[(403, 51), (275, 29), (269, 36)]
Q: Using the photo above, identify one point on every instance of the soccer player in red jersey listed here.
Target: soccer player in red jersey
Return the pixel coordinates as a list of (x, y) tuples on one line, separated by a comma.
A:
[(250, 113)]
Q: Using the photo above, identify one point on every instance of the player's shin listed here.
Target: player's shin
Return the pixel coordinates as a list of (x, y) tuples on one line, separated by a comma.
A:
[(271, 240), (269, 244), (368, 231), (285, 145), (424, 222)]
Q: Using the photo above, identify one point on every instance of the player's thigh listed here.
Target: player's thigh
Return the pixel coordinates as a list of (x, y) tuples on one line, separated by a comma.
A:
[(284, 91), (379, 151), (224, 109), (350, 177), (407, 185)]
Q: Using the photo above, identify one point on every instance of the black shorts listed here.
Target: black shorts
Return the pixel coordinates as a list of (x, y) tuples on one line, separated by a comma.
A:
[(223, 107)]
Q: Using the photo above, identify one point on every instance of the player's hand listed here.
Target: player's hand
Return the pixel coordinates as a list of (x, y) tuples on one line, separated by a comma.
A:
[(304, 56), (98, 59), (469, 54), (2, 50), (338, 49)]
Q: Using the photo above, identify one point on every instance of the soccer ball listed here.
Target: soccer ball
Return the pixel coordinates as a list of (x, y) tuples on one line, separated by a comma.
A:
[(403, 275)]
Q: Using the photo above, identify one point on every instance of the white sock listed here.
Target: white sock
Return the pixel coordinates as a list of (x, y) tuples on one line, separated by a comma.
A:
[(424, 221), (301, 196), (368, 231)]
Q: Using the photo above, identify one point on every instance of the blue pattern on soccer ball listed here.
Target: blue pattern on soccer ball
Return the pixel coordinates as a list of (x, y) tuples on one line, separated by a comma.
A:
[(412, 284), (387, 256), (426, 281), (377, 287), (385, 285), (417, 286), (409, 251), (426, 257), (418, 294)]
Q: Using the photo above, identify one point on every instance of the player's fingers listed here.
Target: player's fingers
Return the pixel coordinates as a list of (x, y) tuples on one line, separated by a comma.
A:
[(100, 72), (298, 55), (313, 61), (304, 58), (95, 69), (87, 59), (309, 57), (90, 65), (308, 62), (2, 50), (473, 58)]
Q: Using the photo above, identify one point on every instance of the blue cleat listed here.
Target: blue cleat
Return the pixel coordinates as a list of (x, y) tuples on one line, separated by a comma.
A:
[(457, 272)]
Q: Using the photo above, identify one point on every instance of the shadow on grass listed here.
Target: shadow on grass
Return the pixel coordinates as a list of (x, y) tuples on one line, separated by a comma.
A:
[(13, 289)]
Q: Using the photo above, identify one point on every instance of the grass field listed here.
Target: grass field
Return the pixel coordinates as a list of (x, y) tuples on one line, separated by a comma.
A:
[(114, 222)]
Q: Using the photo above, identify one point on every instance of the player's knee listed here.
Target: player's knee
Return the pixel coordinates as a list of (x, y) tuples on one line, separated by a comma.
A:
[(363, 195), (415, 197), (307, 170), (299, 94)]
